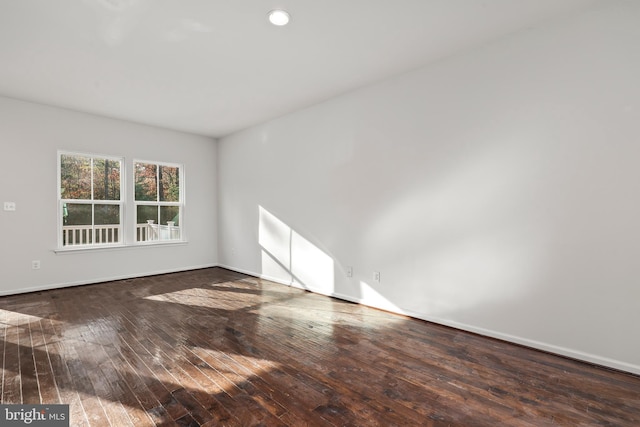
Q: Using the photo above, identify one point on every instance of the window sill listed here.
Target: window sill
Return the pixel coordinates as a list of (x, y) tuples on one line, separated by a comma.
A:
[(81, 249)]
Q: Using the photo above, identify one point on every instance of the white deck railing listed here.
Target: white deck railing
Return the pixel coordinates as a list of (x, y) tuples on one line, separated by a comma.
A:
[(105, 234), (87, 234), (150, 232)]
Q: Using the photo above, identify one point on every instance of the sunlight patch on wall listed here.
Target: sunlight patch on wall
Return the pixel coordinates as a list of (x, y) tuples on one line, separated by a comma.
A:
[(311, 268), (288, 256), (274, 237), (372, 297), (273, 270)]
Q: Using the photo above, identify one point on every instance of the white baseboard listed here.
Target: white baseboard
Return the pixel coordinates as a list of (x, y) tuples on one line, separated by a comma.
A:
[(51, 286), (250, 273), (562, 351)]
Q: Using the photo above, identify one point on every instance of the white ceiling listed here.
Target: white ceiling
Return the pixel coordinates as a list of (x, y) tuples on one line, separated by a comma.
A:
[(213, 67)]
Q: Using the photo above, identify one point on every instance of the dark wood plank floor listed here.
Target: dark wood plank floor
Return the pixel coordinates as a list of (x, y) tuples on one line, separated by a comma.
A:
[(211, 347)]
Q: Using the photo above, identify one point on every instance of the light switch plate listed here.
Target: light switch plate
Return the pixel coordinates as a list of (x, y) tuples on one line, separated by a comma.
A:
[(9, 206)]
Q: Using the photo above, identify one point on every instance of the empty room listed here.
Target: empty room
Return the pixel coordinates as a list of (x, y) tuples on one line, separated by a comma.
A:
[(320, 213)]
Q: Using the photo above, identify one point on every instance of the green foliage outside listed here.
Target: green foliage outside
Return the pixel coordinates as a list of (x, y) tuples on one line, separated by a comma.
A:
[(86, 179), (76, 183), (156, 183)]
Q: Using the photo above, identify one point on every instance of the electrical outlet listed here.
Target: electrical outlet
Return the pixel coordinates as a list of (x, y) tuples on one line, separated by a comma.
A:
[(376, 276), (349, 271), (35, 264), (9, 206)]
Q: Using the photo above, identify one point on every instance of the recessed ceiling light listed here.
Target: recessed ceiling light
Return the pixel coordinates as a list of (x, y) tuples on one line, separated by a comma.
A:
[(279, 17)]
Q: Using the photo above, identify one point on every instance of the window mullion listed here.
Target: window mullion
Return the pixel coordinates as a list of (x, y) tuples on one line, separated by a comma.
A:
[(92, 196), (158, 187)]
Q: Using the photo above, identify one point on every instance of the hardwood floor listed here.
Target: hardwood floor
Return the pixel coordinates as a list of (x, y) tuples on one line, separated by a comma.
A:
[(212, 347)]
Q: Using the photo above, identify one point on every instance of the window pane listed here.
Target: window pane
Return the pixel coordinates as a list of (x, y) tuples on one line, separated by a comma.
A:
[(146, 214), (169, 220), (106, 179), (169, 188), (107, 214), (146, 223), (107, 223), (146, 182), (76, 214), (75, 177), (170, 213), (76, 224)]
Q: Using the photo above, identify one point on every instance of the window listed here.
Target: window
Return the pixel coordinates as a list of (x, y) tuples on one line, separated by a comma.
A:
[(158, 201), (89, 200)]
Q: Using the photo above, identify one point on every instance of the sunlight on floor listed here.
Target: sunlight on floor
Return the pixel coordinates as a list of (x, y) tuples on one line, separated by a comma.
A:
[(14, 318), (199, 297)]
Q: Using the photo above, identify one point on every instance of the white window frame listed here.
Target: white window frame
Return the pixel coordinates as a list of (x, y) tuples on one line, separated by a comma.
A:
[(180, 204), (62, 201)]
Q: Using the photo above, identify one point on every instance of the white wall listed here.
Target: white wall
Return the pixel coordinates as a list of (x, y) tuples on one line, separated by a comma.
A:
[(31, 135), (497, 191)]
